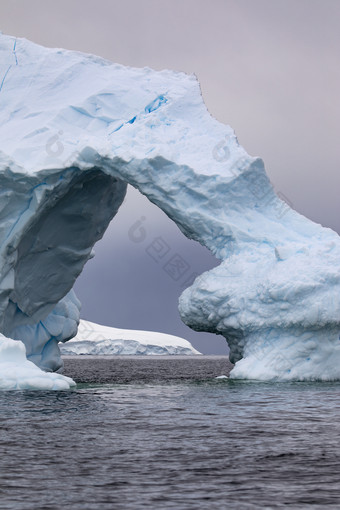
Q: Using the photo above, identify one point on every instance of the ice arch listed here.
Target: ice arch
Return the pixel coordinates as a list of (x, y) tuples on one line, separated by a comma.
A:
[(74, 130)]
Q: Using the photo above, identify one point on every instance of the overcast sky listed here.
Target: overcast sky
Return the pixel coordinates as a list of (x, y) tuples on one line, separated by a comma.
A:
[(269, 68)]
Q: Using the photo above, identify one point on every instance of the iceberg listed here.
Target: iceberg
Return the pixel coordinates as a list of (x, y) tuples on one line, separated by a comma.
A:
[(75, 130), (95, 339)]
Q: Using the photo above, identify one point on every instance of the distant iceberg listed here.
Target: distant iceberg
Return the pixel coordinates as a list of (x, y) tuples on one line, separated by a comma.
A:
[(94, 339)]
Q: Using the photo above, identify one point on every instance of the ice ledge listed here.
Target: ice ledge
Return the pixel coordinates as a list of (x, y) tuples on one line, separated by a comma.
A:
[(17, 373)]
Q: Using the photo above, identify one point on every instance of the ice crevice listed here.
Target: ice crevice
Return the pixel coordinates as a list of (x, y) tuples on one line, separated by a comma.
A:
[(71, 139)]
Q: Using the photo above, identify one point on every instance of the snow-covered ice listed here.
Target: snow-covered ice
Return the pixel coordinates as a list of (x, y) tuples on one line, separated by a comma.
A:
[(74, 130), (17, 373), (95, 339)]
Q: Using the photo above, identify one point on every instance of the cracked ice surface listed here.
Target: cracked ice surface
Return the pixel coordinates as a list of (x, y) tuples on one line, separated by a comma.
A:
[(74, 130)]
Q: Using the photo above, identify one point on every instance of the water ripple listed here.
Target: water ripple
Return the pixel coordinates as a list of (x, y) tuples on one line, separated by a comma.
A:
[(152, 434)]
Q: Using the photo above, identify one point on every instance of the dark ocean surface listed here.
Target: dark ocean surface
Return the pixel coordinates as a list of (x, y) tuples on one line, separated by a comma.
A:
[(154, 433)]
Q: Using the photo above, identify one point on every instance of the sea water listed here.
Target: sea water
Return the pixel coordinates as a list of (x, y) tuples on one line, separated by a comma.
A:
[(160, 433)]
